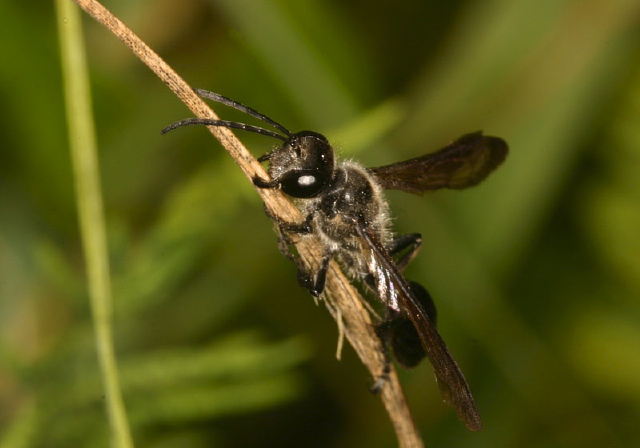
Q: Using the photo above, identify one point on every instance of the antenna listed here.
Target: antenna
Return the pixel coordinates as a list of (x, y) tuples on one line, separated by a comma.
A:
[(242, 108), (223, 123), (232, 124)]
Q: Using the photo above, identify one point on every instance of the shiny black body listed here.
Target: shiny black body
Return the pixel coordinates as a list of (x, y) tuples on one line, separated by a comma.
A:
[(345, 209)]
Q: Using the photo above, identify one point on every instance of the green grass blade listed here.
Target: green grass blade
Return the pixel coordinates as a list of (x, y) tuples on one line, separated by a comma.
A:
[(82, 144)]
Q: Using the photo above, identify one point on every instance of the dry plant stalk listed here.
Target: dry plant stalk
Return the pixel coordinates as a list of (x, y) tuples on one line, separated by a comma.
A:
[(343, 301)]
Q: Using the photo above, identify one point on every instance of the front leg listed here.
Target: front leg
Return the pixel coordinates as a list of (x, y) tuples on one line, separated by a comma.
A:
[(287, 227), (314, 283), (263, 183)]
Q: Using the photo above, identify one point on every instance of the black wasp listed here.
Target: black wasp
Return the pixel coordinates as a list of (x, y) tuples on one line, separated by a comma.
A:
[(345, 208)]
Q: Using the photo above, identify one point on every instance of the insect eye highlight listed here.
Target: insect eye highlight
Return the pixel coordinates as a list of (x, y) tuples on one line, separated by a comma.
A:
[(306, 180), (303, 183)]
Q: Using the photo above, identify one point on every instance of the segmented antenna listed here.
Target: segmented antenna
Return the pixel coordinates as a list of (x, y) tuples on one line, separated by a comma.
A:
[(232, 124), (242, 108), (225, 124)]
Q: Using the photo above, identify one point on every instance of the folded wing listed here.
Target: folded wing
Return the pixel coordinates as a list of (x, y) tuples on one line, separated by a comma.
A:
[(395, 292)]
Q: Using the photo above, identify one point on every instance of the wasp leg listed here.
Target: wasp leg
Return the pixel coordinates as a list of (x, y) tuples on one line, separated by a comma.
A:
[(285, 229), (314, 283), (409, 244), (262, 183)]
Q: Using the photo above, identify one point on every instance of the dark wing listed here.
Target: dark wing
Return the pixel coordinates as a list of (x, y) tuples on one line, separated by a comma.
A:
[(396, 293), (464, 163)]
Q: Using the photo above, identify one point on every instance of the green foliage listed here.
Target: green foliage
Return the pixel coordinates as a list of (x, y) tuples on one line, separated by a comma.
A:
[(535, 273)]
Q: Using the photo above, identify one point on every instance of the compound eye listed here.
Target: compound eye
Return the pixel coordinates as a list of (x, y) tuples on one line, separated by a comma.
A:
[(303, 183)]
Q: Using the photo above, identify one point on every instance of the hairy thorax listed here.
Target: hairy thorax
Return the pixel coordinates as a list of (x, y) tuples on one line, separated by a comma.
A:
[(354, 199)]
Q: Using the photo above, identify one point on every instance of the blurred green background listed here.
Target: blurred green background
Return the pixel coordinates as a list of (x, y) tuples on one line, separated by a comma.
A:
[(536, 273)]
